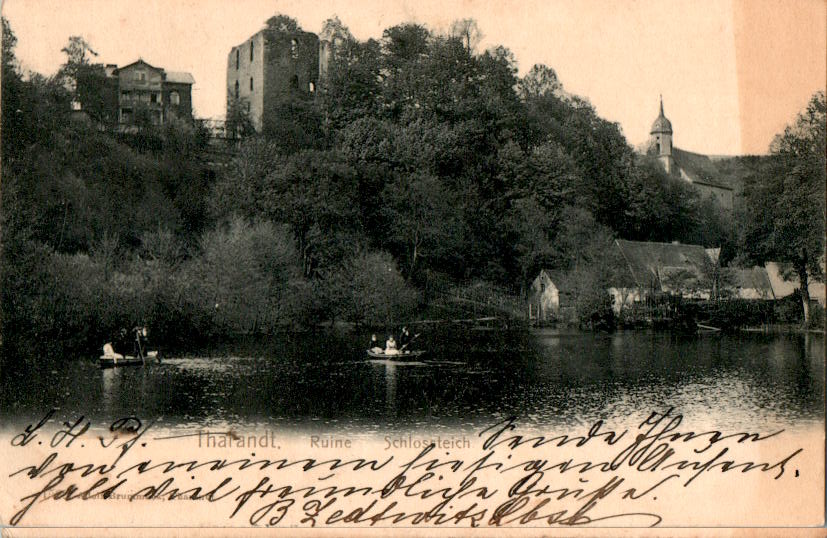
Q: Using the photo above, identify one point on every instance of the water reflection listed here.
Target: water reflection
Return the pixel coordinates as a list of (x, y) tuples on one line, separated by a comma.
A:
[(110, 385), (555, 379)]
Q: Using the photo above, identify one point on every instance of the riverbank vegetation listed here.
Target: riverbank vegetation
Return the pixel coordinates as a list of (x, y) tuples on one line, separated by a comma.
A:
[(421, 161)]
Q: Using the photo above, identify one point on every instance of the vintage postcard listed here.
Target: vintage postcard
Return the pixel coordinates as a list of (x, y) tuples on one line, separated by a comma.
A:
[(363, 267)]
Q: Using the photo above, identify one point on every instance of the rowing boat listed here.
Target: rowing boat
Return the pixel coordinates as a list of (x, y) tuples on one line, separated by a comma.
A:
[(403, 355), (111, 361)]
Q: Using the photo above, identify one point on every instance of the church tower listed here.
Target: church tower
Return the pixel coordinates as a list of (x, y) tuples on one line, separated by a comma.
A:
[(661, 141)]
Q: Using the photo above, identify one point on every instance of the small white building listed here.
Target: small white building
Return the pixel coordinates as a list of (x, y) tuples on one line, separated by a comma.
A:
[(544, 297)]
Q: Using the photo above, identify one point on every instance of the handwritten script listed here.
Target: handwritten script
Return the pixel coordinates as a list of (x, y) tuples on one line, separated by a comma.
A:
[(503, 476)]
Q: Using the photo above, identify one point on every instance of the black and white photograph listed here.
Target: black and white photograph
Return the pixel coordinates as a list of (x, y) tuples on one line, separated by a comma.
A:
[(390, 267)]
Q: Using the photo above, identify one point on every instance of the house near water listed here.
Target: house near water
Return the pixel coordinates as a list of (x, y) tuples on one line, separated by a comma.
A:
[(784, 282), (646, 269), (750, 284), (544, 296), (662, 268)]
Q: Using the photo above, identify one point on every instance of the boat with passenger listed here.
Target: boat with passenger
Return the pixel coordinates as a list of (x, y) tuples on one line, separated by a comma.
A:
[(140, 355), (403, 355), (391, 352)]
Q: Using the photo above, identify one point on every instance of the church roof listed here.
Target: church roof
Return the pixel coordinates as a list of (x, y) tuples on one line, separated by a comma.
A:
[(699, 168), (662, 124)]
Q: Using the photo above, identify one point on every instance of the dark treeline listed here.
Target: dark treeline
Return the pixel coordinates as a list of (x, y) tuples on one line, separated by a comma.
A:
[(419, 165)]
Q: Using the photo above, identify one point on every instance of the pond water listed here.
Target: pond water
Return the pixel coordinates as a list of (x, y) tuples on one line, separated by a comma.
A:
[(551, 379)]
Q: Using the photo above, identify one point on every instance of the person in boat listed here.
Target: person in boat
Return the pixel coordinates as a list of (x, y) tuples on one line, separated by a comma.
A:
[(138, 344), (404, 338), (109, 352), (122, 343), (374, 345), (390, 346)]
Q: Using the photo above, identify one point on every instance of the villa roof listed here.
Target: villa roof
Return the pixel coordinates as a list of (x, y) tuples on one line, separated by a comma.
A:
[(179, 77), (176, 77)]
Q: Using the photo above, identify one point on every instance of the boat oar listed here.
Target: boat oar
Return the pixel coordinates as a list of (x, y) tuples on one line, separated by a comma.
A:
[(409, 343)]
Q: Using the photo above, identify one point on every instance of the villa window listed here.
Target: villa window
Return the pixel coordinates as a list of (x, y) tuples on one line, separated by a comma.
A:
[(174, 98)]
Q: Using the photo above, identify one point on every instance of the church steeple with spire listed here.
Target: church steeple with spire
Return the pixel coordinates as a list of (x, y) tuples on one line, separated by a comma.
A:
[(661, 140)]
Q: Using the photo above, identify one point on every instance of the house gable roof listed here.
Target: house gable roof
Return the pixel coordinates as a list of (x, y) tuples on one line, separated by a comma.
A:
[(555, 275), (648, 262), (755, 278), (175, 77), (138, 63)]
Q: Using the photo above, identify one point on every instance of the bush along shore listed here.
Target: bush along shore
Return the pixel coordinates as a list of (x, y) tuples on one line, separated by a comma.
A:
[(679, 314)]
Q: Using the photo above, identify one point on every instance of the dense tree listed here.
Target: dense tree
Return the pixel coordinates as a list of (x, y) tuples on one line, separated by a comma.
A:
[(420, 223), (784, 217), (368, 288), (78, 54), (242, 275), (352, 87), (237, 122), (315, 194), (540, 81)]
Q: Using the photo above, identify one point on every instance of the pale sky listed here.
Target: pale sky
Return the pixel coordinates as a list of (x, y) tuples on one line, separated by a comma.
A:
[(732, 73)]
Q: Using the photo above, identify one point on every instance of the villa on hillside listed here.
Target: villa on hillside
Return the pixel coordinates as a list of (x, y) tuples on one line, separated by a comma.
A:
[(140, 91)]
